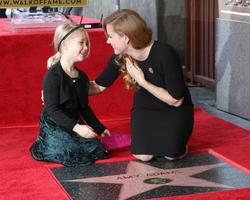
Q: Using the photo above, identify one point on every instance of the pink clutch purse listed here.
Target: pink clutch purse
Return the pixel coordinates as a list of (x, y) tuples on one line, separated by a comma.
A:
[(117, 140)]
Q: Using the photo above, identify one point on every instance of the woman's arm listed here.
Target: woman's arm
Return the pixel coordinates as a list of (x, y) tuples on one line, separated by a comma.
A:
[(95, 89), (161, 94), (106, 78), (158, 92)]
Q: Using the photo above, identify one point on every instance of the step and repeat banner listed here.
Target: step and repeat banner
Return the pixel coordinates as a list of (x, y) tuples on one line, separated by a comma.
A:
[(42, 3)]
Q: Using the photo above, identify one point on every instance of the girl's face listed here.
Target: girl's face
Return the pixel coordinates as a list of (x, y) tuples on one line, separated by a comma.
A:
[(118, 42), (76, 47)]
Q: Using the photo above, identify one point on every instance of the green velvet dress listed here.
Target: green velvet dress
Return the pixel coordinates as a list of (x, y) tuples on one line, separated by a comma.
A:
[(54, 144)]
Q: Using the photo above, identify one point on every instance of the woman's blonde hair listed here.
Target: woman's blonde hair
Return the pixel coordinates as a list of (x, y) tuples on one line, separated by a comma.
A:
[(63, 32), (130, 23)]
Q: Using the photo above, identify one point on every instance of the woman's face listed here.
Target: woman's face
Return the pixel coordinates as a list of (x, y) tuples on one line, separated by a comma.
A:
[(118, 42), (76, 47)]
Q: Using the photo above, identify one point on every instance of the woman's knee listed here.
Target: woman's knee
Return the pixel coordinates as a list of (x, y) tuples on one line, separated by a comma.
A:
[(144, 158)]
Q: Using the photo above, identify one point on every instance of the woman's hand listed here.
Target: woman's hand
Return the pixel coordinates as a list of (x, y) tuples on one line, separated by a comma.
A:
[(94, 88), (159, 92), (106, 132), (135, 72), (84, 131)]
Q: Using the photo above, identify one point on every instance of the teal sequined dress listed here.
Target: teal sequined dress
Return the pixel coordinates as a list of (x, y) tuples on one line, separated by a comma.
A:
[(65, 105), (54, 144)]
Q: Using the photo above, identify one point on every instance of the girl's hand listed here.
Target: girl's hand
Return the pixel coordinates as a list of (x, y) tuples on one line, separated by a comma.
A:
[(84, 131), (42, 97), (106, 132)]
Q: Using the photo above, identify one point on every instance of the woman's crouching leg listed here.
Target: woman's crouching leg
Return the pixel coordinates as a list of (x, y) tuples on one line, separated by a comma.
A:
[(142, 157)]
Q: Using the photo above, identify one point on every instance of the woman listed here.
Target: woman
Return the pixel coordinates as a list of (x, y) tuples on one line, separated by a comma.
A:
[(68, 126), (162, 113)]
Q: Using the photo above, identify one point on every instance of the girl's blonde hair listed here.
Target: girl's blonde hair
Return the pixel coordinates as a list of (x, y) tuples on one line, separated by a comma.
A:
[(130, 23), (63, 32)]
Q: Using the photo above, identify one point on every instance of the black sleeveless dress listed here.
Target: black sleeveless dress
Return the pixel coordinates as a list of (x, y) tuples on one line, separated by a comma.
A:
[(156, 127)]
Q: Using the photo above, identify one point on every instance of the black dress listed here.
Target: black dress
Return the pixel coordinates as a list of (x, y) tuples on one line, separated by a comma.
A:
[(156, 127), (65, 104)]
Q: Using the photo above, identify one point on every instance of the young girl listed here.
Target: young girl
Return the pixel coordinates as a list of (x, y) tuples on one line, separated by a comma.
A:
[(68, 126)]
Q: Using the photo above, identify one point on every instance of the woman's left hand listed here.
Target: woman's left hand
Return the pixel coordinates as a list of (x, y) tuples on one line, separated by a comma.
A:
[(135, 72)]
